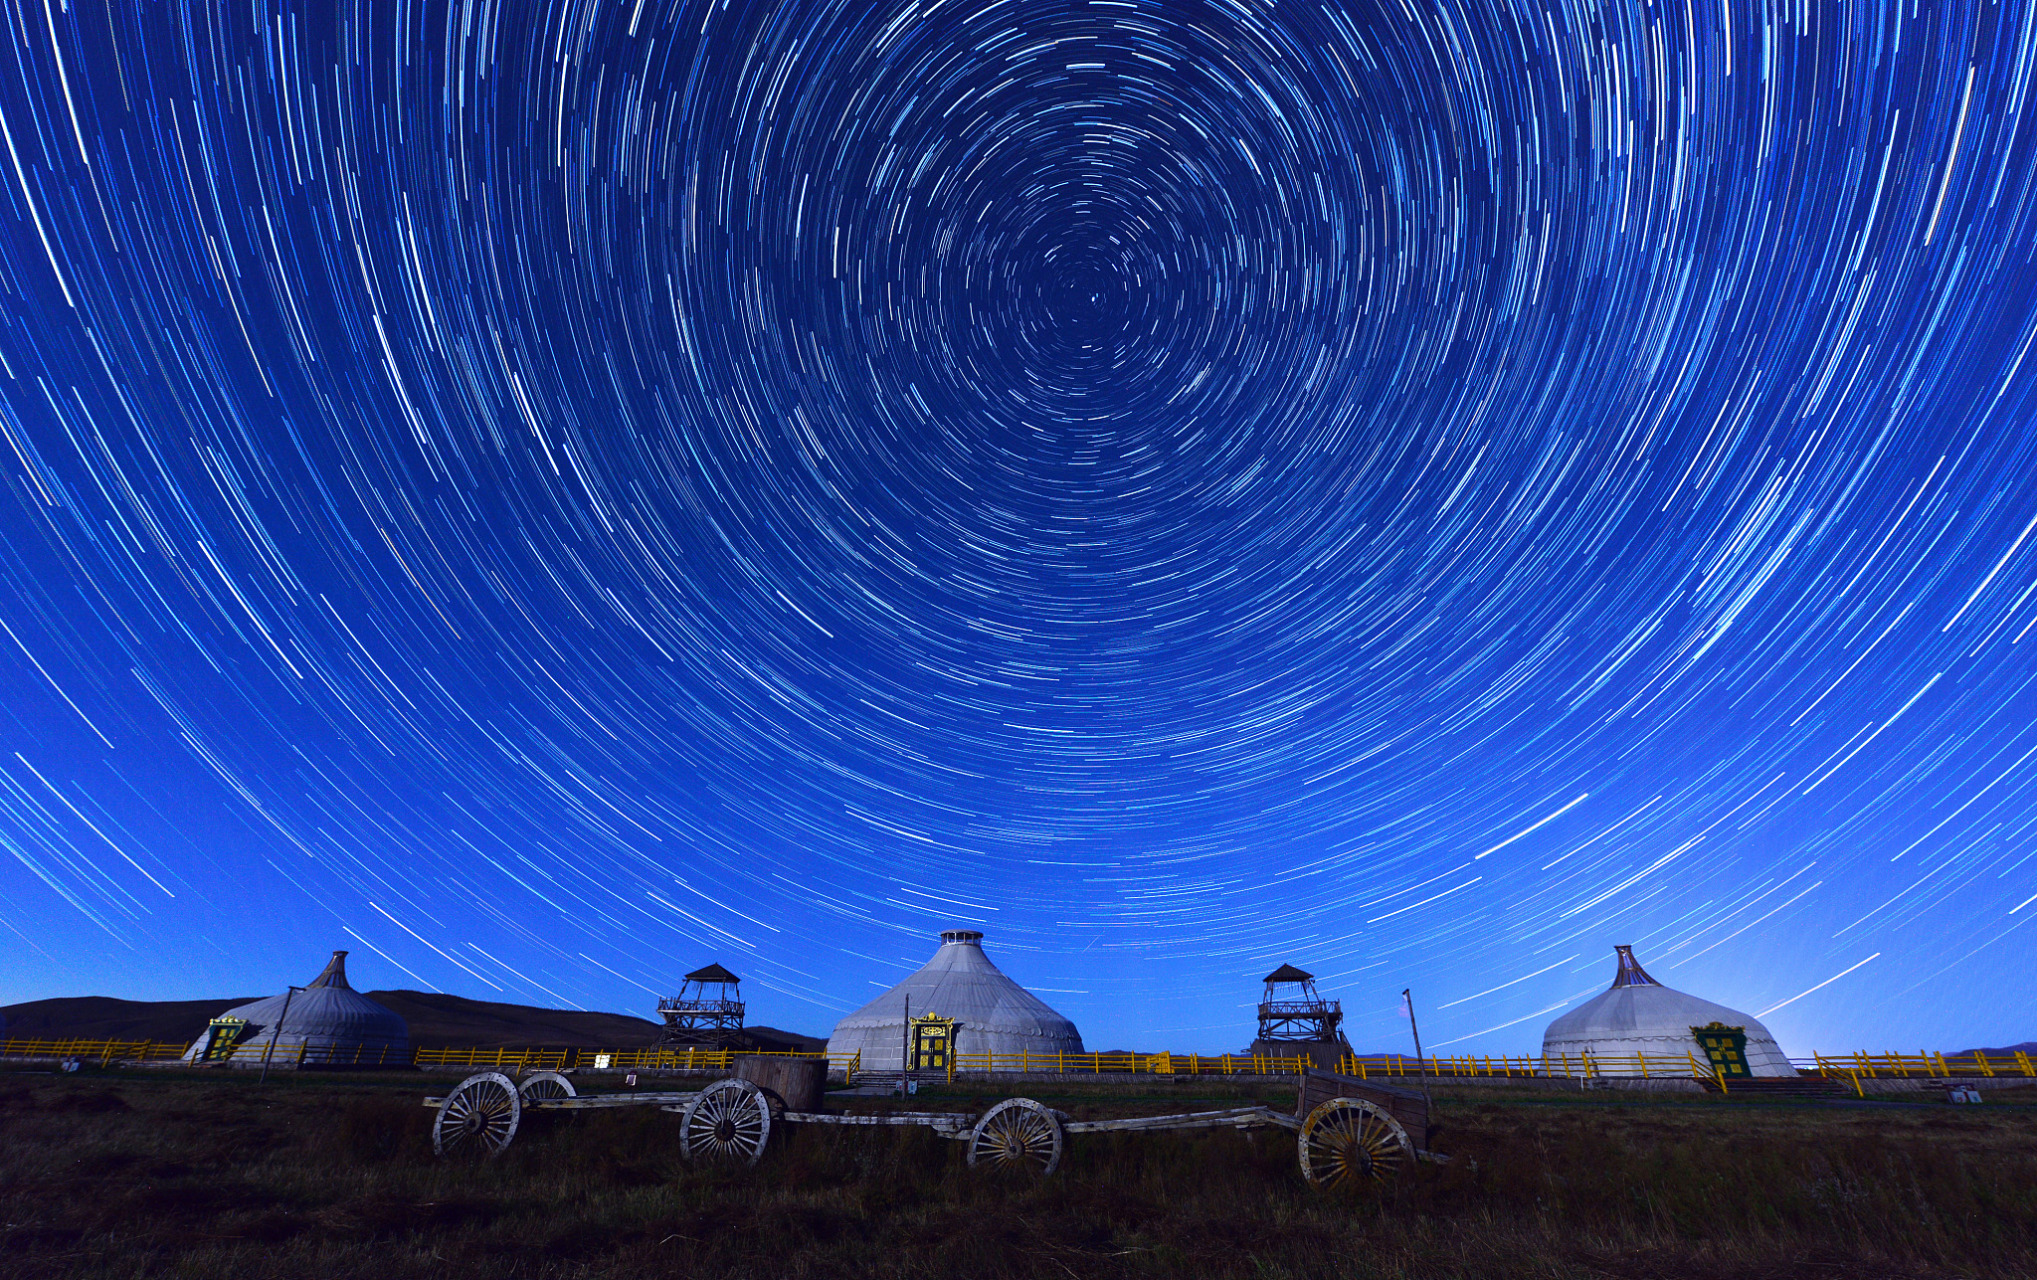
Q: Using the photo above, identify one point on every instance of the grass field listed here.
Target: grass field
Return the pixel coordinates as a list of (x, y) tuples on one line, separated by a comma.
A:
[(317, 1177)]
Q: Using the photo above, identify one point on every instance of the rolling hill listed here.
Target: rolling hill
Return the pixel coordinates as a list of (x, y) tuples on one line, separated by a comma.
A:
[(434, 1017)]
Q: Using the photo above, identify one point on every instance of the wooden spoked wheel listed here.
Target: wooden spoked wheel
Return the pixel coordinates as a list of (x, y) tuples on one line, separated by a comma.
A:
[(545, 1086), (478, 1118), (1347, 1141), (1017, 1134), (729, 1122)]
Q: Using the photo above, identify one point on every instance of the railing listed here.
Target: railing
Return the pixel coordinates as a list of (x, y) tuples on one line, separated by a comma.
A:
[(287, 1054), (1865, 1066), (105, 1051), (1848, 1067), (668, 1059), (1574, 1066), (639, 1059), (1892, 1065), (1162, 1064), (1297, 1008), (519, 1059), (311, 1054)]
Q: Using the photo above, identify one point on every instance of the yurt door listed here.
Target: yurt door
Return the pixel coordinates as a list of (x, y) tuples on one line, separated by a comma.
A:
[(1726, 1047), (933, 1039), (221, 1036)]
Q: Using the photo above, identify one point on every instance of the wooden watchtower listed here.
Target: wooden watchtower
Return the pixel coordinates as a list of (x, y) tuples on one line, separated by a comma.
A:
[(707, 1012), (1293, 1011)]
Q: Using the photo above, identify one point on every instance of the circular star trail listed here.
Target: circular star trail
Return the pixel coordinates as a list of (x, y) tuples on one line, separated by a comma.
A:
[(558, 493)]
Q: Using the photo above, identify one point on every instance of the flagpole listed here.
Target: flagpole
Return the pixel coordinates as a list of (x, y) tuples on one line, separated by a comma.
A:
[(1407, 995), (270, 1052)]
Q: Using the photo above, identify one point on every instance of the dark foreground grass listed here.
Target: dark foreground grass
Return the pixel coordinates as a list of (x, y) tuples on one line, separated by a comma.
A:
[(216, 1177)]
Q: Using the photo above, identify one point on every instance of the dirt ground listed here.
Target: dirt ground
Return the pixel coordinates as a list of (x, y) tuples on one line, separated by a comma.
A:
[(212, 1175)]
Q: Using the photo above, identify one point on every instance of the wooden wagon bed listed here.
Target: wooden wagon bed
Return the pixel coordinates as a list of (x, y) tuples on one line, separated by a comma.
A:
[(1409, 1108)]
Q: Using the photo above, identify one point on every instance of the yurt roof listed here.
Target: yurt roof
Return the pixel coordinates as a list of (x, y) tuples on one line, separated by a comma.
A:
[(960, 982), (1637, 1006), (325, 1009)]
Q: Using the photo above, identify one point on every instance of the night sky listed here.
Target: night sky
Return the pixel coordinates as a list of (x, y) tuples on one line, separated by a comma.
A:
[(546, 496)]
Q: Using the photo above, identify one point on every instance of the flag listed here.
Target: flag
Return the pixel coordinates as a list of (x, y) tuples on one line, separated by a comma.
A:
[(1407, 1009)]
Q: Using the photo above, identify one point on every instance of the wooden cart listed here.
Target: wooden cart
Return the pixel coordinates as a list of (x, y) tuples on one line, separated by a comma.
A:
[(1346, 1129)]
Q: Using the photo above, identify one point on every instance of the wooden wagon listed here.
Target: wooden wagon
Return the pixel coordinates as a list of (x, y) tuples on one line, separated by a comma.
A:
[(1346, 1130)]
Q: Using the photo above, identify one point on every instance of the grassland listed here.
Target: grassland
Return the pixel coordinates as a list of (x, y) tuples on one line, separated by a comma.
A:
[(215, 1176)]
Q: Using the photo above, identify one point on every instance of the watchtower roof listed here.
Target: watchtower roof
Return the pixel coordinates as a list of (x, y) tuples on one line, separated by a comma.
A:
[(712, 973), (1288, 973)]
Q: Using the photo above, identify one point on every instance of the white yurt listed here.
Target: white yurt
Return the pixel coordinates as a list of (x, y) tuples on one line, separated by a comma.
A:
[(992, 1014), (334, 1025), (1637, 1016)]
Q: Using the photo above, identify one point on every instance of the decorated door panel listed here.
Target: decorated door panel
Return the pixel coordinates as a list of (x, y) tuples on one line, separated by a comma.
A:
[(933, 1041), (1726, 1048)]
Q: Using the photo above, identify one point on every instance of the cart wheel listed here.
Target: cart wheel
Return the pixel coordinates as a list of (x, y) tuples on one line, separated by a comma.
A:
[(545, 1086), (479, 1116), (730, 1121), (1349, 1140), (1017, 1133)]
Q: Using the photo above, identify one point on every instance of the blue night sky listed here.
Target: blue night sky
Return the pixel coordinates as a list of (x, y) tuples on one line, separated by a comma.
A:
[(546, 496)]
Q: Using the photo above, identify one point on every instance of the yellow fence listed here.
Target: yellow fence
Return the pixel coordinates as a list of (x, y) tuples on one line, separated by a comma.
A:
[(1161, 1064), (1894, 1066), (695, 1059), (1574, 1066), (652, 1059), (286, 1055), (1377, 1066), (102, 1051), (1853, 1067), (516, 1059), (1865, 1066)]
